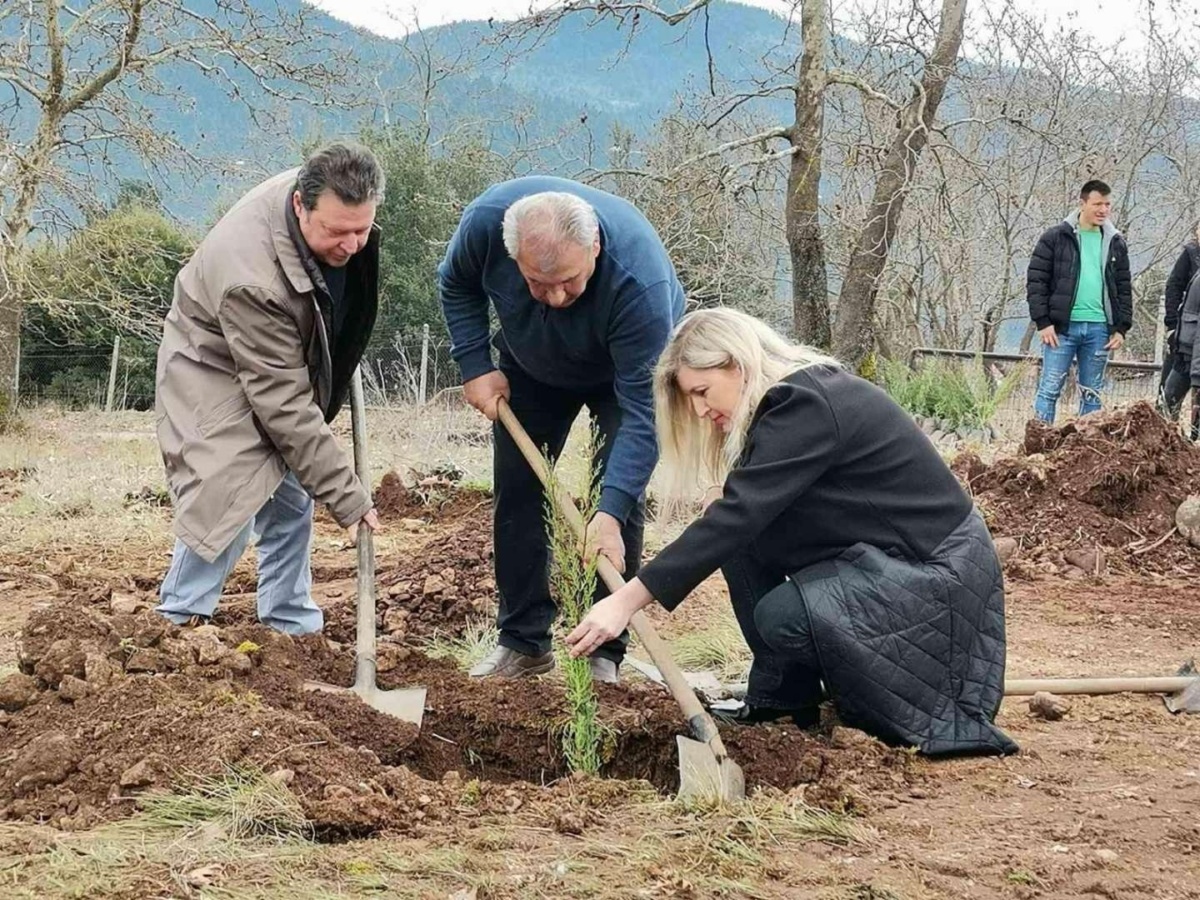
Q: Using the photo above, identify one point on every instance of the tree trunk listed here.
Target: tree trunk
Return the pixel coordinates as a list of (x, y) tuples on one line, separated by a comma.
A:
[(854, 338), (10, 330), (1027, 338), (810, 290), (991, 328)]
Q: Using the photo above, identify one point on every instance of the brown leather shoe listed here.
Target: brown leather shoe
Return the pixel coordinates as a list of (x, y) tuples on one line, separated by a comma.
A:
[(505, 663), (603, 670)]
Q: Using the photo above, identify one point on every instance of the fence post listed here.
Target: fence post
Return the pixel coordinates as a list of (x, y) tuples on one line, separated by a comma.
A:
[(1160, 329), (424, 364), (16, 388), (112, 373)]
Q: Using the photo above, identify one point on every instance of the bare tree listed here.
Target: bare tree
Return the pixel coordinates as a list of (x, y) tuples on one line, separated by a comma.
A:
[(855, 323), (802, 213), (1042, 110), (810, 80), (83, 81)]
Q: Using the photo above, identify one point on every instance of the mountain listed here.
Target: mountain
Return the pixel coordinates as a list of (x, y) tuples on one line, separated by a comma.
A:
[(561, 93)]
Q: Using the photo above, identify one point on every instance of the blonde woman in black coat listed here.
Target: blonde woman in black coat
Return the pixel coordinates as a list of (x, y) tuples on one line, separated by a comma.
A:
[(856, 564)]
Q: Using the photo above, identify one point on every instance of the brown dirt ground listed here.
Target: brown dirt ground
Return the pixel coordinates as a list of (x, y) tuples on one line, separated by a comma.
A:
[(111, 700), (1102, 803)]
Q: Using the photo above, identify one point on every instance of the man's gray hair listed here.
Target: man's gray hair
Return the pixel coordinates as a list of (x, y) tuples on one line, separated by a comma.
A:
[(547, 221), (351, 171)]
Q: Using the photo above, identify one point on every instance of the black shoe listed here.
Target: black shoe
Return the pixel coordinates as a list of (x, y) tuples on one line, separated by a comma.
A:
[(804, 717)]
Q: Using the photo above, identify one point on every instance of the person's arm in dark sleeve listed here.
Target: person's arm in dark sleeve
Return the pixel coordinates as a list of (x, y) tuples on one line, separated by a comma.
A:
[(1177, 282), (1123, 313), (464, 303), (638, 333), (1039, 279)]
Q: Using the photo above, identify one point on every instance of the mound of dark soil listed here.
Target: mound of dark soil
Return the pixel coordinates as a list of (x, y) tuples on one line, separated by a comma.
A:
[(1100, 490), (111, 705), (432, 498)]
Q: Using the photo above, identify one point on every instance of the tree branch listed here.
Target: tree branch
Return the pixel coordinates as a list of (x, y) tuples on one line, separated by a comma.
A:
[(841, 76)]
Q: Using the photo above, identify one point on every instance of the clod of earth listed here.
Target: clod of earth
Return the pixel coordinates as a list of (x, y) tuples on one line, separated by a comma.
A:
[(48, 759), (1091, 562), (1006, 548), (140, 774), (1048, 706), (126, 604), (17, 691), (72, 689), (65, 657)]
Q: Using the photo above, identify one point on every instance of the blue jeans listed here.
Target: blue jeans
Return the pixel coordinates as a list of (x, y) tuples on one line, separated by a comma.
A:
[(192, 586), (1083, 341)]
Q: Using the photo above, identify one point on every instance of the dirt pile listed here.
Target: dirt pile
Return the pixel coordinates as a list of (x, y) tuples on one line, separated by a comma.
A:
[(435, 495), (1095, 495), (109, 705), (438, 589)]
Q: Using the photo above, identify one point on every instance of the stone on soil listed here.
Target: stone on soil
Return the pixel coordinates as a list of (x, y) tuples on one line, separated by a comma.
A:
[(1006, 548), (98, 670), (1090, 561), (395, 621), (1048, 706), (124, 604), (139, 774), (1187, 519), (72, 688), (17, 691)]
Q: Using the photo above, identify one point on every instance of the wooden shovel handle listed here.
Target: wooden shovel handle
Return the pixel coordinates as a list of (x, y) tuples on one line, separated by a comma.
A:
[(1116, 685), (698, 719), (364, 644)]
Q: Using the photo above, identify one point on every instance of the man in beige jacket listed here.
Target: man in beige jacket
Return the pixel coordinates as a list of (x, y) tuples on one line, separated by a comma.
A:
[(270, 318)]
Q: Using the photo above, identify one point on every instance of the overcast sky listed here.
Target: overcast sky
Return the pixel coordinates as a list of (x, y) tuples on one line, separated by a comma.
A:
[(1106, 19)]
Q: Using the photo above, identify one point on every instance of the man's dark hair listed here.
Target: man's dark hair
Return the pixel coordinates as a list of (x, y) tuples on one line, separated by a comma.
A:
[(1094, 185), (349, 170)]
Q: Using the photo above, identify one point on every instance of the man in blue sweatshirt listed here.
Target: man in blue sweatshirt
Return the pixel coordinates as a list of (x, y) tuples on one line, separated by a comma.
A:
[(586, 297)]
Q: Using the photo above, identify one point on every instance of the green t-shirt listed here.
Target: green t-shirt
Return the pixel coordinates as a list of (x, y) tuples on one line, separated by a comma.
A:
[(1089, 293)]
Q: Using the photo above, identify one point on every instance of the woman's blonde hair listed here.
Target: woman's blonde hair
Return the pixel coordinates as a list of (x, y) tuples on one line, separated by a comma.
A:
[(694, 454)]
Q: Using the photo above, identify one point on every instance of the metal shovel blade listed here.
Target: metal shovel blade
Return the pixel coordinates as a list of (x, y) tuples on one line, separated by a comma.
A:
[(705, 778), (1186, 700), (407, 704)]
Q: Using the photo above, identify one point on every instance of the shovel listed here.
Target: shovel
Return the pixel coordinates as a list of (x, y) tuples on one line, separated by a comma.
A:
[(406, 703), (705, 770), (1182, 691)]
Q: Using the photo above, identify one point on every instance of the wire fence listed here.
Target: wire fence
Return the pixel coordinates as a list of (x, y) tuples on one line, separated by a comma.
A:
[(1125, 382), (410, 367), (415, 367), (88, 377)]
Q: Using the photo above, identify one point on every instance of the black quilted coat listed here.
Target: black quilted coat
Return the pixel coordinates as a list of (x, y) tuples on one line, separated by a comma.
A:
[(913, 653), (840, 492), (1053, 276)]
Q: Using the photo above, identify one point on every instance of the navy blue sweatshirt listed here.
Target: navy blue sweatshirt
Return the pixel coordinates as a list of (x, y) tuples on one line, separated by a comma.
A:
[(613, 333)]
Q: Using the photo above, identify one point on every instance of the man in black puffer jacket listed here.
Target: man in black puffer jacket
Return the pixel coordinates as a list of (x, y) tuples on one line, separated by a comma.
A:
[(1185, 268), (1185, 363), (1081, 299)]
